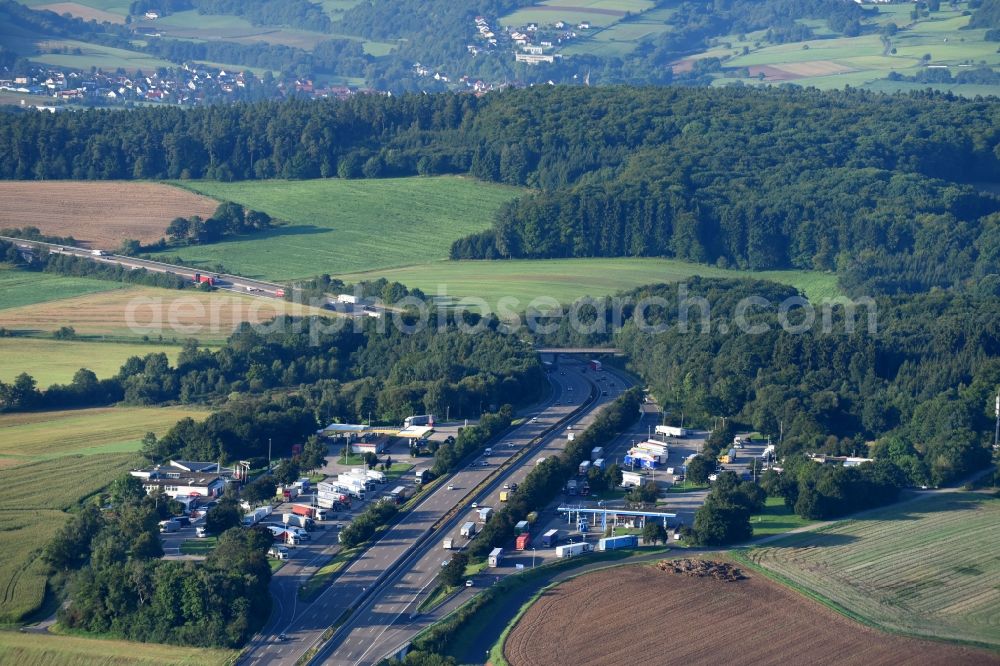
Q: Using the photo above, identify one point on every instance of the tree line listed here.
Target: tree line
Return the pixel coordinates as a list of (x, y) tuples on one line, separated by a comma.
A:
[(117, 585), (919, 386), (877, 188)]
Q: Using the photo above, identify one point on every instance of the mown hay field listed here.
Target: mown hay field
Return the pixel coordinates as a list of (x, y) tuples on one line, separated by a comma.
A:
[(638, 614), (927, 568)]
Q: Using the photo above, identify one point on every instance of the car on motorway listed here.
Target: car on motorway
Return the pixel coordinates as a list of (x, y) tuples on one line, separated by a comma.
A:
[(534, 419), (282, 638), (475, 505), (451, 487), (468, 583), (513, 486), (506, 486), (445, 563)]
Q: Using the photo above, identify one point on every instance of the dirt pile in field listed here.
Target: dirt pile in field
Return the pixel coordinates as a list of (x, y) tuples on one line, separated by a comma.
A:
[(702, 569), (637, 615)]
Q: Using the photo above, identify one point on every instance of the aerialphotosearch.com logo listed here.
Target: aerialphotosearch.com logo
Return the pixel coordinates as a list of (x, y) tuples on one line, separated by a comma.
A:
[(219, 314)]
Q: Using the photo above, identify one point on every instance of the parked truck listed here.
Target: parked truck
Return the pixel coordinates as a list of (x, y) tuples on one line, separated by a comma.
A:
[(572, 549), (504, 495), (595, 365), (421, 476), (571, 436), (256, 516), (468, 530), (296, 520), (631, 479), (522, 541), (375, 475), (310, 511), (571, 487), (584, 468), (449, 543), (550, 538), (496, 557), (484, 513), (597, 452), (521, 527), (671, 431), (599, 464), (616, 542)]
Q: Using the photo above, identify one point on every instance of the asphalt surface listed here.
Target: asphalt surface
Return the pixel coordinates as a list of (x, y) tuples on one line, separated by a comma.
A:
[(388, 620), (223, 281), (304, 623)]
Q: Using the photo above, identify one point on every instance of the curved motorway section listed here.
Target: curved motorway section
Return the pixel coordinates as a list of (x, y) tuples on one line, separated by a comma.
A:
[(388, 619), (384, 584)]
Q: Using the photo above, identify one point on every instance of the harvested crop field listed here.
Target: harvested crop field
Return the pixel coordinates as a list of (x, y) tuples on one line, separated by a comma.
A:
[(139, 311), (99, 214), (640, 614), (926, 567), (82, 11)]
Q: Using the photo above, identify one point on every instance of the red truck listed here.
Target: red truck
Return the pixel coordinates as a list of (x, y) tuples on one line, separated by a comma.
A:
[(279, 293), (204, 279), (309, 511), (522, 542)]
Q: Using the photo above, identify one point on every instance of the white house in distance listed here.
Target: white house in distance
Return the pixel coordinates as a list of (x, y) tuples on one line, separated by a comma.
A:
[(183, 478)]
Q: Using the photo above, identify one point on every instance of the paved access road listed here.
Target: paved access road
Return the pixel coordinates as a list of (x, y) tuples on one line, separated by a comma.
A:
[(388, 619), (304, 623)]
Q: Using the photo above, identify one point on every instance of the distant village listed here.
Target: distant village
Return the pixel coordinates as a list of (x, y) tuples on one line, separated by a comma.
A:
[(194, 84), (531, 44), (187, 85)]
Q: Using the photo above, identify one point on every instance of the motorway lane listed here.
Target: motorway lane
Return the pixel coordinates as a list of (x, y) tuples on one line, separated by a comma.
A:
[(304, 623), (225, 282), (388, 621)]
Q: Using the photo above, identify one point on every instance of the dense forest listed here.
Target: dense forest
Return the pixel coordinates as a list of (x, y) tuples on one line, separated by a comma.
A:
[(879, 188), (919, 387), (118, 585)]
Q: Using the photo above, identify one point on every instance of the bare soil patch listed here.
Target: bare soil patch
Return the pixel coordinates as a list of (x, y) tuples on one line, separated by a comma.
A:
[(642, 615), (82, 11), (101, 214), (773, 73)]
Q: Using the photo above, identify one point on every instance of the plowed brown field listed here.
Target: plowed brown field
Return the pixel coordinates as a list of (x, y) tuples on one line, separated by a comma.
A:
[(639, 615), (99, 213)]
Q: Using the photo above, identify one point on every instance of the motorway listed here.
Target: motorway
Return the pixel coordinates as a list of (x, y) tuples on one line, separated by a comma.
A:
[(305, 623), (223, 281), (388, 619)]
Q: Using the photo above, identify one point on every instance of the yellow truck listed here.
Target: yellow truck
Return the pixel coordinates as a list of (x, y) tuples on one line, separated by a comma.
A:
[(504, 494)]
